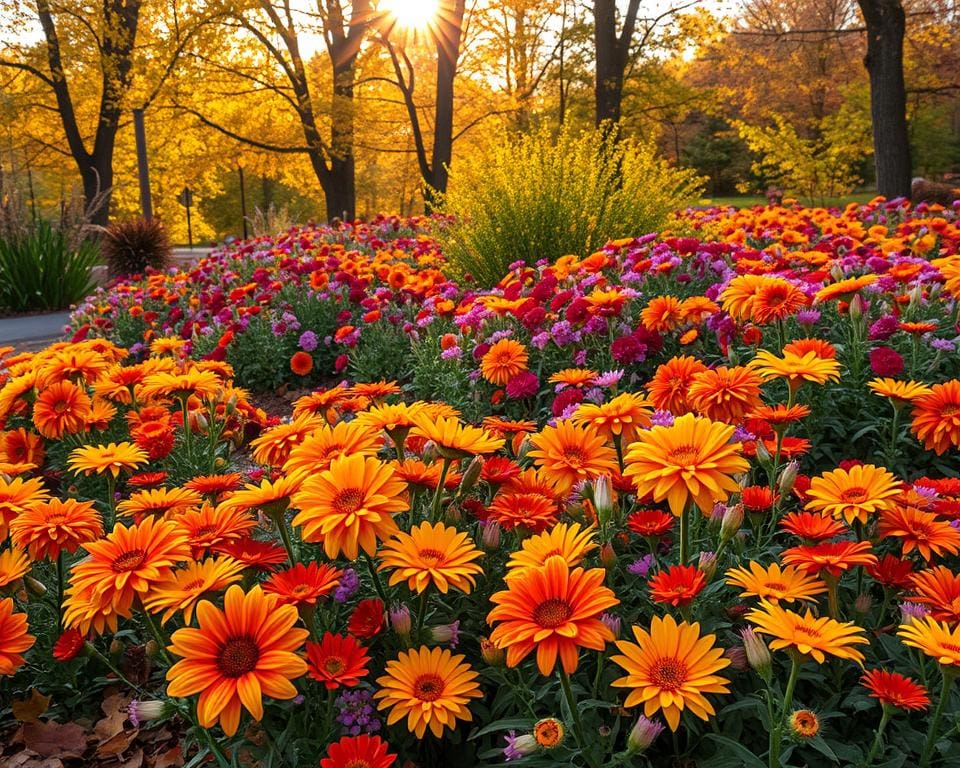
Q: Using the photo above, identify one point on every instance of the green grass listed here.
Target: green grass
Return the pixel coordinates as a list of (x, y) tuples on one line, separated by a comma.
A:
[(748, 201)]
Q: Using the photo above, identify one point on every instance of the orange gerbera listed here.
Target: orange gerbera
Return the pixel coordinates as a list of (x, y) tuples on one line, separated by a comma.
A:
[(271, 496), (53, 526), (337, 660), (777, 299), (214, 486), (563, 540), (159, 501), (668, 387), (807, 634), (236, 656), (692, 460), (650, 522), (830, 557), (61, 409), (14, 639), (301, 363), (898, 392), (796, 369), (853, 494), (619, 419), (677, 585), (375, 390), (812, 526), (430, 688), (187, 585), (503, 361), (567, 454), (738, 298), (453, 439), (14, 565), (843, 290), (820, 347), (274, 445), (432, 554), (936, 640), (917, 530), (554, 610), (939, 589), (193, 382), (363, 751), (208, 527), (662, 314), (303, 584), (16, 496), (574, 377), (350, 506), (936, 417), (670, 668), (779, 415), (895, 690), (775, 584), (724, 394), (125, 565), (425, 476), (532, 512), (101, 459), (21, 447)]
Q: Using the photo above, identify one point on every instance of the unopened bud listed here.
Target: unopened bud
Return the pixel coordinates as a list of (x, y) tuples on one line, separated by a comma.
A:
[(603, 499), (763, 454), (836, 272), (429, 452), (400, 620), (916, 296), (738, 658), (470, 476), (856, 308), (445, 634), (732, 521), (231, 406), (788, 477), (490, 536), (611, 622), (492, 655), (34, 587), (524, 448), (708, 564), (143, 711), (116, 647), (643, 734), (608, 555), (758, 655), (862, 605)]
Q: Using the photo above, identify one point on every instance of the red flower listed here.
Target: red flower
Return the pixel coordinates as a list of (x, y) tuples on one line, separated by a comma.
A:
[(367, 618), (337, 660), (895, 690), (886, 362), (69, 645), (363, 751), (891, 571), (758, 498), (677, 585), (650, 522)]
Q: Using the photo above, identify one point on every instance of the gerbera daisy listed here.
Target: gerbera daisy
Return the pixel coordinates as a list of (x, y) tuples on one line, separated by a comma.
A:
[(532, 512), (724, 394), (667, 389), (900, 393), (395, 419), (775, 584), (363, 751), (573, 377), (738, 297), (14, 564), (936, 417), (807, 634), (61, 409), (271, 496), (796, 369), (367, 619), (337, 660), (677, 585), (159, 502), (843, 290), (670, 668), (921, 531), (147, 479), (187, 585), (758, 499), (318, 449), (650, 522), (154, 437), (820, 347), (126, 564), (780, 415), (429, 688), (274, 445), (692, 460), (812, 526), (776, 299), (566, 540), (14, 639), (853, 494), (502, 426), (895, 690), (432, 554), (892, 572), (662, 314), (933, 638), (193, 382), (939, 589), (553, 610), (16, 496), (567, 454), (214, 486), (350, 506), (254, 553), (455, 440), (420, 476), (208, 527), (53, 526), (69, 645), (503, 361), (303, 584), (497, 470), (18, 446), (101, 459), (830, 557), (236, 656), (619, 419), (301, 363)]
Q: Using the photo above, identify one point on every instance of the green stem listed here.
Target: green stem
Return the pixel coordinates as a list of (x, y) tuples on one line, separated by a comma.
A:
[(438, 494), (833, 604), (157, 635), (685, 534), (596, 677), (776, 731), (422, 610), (279, 519), (214, 748), (931, 741), (377, 585), (894, 429), (109, 664), (187, 436), (618, 444), (574, 712), (111, 508), (61, 585), (878, 739)]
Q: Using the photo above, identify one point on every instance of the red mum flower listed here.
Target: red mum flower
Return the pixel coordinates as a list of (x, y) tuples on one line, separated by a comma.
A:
[(895, 690), (367, 618), (69, 645), (337, 660), (363, 751), (650, 522), (677, 585), (893, 572)]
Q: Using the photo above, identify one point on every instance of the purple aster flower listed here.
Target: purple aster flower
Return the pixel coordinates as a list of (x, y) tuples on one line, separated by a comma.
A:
[(349, 584), (308, 341), (641, 567)]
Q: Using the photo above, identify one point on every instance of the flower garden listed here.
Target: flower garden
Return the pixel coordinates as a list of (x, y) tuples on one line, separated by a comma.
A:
[(691, 499)]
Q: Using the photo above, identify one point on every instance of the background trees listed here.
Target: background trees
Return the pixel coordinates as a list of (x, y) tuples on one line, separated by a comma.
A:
[(334, 108)]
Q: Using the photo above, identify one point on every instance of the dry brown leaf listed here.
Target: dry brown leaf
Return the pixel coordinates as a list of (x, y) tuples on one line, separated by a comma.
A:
[(172, 758), (116, 744), (115, 709), (50, 739), (30, 760), (134, 761), (29, 710)]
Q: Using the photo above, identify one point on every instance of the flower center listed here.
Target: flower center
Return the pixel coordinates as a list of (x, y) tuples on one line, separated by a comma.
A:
[(808, 631), (854, 495), (357, 762), (573, 455), (669, 674), (207, 530), (348, 501), (61, 406), (301, 589), (237, 656), (950, 409), (683, 455), (195, 584), (552, 613), (129, 561), (428, 687), (334, 665), (775, 586)]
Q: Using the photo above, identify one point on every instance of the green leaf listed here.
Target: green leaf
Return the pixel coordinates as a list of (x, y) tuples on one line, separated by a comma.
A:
[(507, 724), (746, 758)]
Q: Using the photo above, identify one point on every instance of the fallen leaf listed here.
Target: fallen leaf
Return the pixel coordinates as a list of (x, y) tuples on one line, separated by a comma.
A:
[(134, 761), (115, 709), (29, 710), (172, 758), (116, 744), (30, 760), (50, 739)]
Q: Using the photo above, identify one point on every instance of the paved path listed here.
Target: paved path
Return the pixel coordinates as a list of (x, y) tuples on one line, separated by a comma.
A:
[(32, 331)]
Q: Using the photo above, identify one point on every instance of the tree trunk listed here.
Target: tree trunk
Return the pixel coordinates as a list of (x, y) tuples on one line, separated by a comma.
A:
[(886, 26), (449, 31), (341, 189), (609, 82)]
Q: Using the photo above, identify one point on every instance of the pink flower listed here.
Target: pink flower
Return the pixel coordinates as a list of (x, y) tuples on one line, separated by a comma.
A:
[(886, 362)]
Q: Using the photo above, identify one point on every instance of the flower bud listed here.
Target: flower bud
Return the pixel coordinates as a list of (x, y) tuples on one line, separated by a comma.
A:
[(142, 711), (708, 564), (470, 476), (152, 648), (861, 606), (491, 654), (911, 611), (856, 308), (203, 423), (116, 648), (804, 724), (400, 620), (445, 634), (490, 536), (608, 555), (429, 452), (34, 587), (603, 499), (732, 521), (787, 478), (549, 732), (738, 658), (519, 746), (716, 515), (836, 272), (524, 448), (763, 454), (611, 622), (758, 655), (643, 734)]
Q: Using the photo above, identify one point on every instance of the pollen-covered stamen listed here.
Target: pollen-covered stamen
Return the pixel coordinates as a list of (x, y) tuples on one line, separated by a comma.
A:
[(428, 687), (552, 613), (129, 561), (238, 656), (668, 674)]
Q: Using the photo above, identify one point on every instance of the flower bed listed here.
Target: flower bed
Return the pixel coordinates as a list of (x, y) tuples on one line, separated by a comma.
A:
[(702, 482)]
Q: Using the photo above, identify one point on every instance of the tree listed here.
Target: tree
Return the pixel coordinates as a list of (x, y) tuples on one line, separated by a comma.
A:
[(886, 27)]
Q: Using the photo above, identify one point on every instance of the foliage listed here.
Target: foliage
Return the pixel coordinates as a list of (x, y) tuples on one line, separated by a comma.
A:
[(541, 196), (131, 247)]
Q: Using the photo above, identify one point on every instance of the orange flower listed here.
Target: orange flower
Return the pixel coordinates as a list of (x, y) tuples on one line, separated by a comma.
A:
[(61, 409), (668, 387), (567, 454), (895, 690), (692, 460), (774, 583), (662, 314), (853, 494), (208, 527), (808, 634), (504, 361), (812, 526), (101, 459), (236, 656), (574, 377), (938, 588), (363, 751), (303, 584), (844, 290), (432, 554), (21, 447), (337, 660), (677, 585), (620, 418), (650, 522), (214, 485), (187, 585), (53, 526), (923, 531), (14, 639), (777, 299), (532, 512), (832, 558), (301, 363), (553, 610), (936, 417), (724, 394), (453, 439), (159, 501), (16, 496), (566, 541), (796, 369), (320, 447)]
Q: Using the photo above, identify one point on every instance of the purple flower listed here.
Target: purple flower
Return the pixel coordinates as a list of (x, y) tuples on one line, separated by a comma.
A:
[(355, 713), (942, 345), (349, 584), (525, 384), (451, 353), (308, 341), (883, 328), (661, 419), (808, 316), (641, 567)]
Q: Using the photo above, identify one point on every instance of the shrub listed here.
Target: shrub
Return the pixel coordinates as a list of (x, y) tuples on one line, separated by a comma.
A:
[(541, 197), (41, 270), (129, 247)]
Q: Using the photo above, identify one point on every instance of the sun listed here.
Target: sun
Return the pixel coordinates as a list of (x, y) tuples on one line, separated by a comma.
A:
[(411, 14)]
